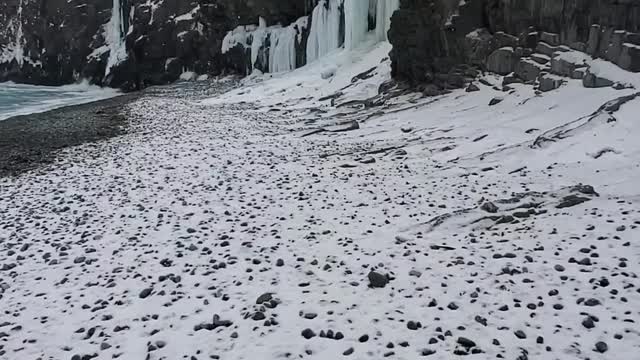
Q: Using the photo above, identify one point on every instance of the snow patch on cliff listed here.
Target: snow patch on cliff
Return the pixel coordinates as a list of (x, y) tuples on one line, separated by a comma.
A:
[(15, 51)]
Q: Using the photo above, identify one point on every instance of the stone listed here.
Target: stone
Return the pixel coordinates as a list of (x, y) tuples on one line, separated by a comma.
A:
[(588, 323), (591, 80), (550, 38), (489, 207), (594, 39), (549, 82), (528, 70), (266, 297), (502, 61), (377, 280), (472, 88), (145, 293), (308, 334), (629, 58), (602, 347), (466, 342), (495, 101)]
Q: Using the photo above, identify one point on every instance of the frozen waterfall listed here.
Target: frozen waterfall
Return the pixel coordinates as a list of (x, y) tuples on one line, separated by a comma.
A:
[(334, 24), (384, 11), (356, 22), (115, 36), (18, 51), (324, 35), (273, 44)]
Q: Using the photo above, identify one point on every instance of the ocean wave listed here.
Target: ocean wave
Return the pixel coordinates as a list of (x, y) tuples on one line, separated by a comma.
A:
[(21, 99)]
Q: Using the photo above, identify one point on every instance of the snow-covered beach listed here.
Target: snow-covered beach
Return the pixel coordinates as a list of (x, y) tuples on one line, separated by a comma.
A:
[(260, 221)]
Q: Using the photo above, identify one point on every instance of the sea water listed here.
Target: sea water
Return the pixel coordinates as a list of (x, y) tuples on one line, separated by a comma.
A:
[(19, 99)]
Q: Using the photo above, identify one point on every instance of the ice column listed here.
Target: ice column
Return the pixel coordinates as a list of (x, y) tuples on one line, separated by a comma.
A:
[(356, 21), (384, 11), (18, 51), (115, 37)]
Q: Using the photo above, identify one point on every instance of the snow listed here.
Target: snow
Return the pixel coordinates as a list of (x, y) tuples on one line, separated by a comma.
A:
[(309, 81), (188, 76), (244, 176), (188, 16)]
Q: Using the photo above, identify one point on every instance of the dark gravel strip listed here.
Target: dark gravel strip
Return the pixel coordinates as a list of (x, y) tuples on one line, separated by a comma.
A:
[(31, 140)]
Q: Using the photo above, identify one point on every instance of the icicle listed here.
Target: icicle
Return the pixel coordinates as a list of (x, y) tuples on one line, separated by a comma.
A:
[(115, 37), (259, 36), (384, 11), (356, 19), (18, 51), (324, 35), (282, 53)]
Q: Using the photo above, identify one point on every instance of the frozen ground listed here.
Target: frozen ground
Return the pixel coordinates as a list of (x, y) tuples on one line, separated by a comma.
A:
[(246, 226)]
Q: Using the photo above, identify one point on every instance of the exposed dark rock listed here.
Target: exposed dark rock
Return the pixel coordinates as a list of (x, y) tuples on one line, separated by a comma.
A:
[(377, 280), (432, 37)]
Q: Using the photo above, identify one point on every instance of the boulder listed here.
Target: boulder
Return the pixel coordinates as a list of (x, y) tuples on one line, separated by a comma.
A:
[(502, 61), (594, 40), (550, 38), (591, 80), (630, 57), (549, 82), (528, 70)]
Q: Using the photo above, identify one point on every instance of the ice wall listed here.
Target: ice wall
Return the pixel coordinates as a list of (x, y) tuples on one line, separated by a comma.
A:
[(334, 24), (324, 35), (276, 43), (356, 22)]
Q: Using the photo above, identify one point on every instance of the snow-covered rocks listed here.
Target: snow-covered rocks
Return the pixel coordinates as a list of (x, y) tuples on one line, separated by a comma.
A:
[(231, 228)]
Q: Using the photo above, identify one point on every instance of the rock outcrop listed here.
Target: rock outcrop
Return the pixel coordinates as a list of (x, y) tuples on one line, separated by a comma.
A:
[(434, 39)]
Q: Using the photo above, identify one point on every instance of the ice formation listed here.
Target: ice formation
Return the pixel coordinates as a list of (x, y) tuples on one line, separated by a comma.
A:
[(115, 36), (334, 24), (15, 50), (324, 35), (356, 22), (384, 11), (19, 47), (276, 44)]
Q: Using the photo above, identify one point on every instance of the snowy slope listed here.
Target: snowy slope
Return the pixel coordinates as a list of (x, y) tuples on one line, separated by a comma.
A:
[(246, 225)]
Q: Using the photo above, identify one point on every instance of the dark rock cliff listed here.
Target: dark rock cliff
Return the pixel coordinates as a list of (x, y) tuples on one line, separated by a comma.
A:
[(55, 42), (443, 43), (446, 42)]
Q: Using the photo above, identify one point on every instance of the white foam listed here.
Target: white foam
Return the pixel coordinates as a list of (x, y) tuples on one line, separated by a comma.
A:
[(20, 99)]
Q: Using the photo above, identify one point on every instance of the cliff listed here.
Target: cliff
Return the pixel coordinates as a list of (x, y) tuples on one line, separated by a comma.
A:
[(445, 42), (55, 42), (441, 43)]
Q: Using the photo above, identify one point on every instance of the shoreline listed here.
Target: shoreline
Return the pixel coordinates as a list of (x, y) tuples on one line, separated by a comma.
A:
[(30, 141)]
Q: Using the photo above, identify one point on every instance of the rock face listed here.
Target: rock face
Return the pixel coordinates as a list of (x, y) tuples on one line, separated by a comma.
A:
[(55, 42), (442, 43), (434, 39)]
